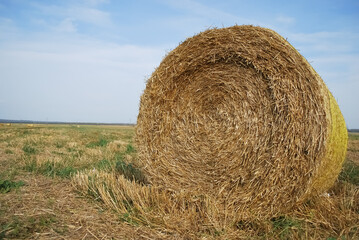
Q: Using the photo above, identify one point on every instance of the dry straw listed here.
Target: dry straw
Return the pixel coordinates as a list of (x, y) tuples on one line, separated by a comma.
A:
[(238, 115)]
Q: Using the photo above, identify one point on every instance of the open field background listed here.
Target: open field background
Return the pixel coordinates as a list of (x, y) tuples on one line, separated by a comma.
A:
[(81, 182)]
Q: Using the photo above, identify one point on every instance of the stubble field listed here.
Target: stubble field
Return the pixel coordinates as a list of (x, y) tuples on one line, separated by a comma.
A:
[(82, 182)]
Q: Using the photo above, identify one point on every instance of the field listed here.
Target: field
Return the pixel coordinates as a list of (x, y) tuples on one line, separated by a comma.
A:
[(82, 182)]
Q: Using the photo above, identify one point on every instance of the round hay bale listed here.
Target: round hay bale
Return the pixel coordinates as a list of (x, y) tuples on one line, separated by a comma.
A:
[(239, 115)]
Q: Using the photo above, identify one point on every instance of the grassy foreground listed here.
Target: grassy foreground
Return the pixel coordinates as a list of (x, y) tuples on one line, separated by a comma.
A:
[(81, 182)]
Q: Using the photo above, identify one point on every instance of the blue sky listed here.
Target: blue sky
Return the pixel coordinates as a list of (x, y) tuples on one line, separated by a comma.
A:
[(88, 60)]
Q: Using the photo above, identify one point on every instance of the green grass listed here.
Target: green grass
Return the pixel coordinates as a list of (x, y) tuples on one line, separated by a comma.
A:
[(51, 169), (334, 238), (60, 144), (353, 136), (130, 172), (25, 132), (130, 149), (30, 165), (8, 185), (8, 151), (127, 217), (23, 228), (284, 225), (29, 149), (104, 164), (100, 143), (350, 173)]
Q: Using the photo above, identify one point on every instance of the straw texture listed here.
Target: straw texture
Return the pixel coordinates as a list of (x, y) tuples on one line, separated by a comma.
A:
[(238, 115), (336, 149)]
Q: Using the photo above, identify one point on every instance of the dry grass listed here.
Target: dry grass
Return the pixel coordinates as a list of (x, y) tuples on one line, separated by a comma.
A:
[(333, 214), (72, 149), (110, 206), (47, 207)]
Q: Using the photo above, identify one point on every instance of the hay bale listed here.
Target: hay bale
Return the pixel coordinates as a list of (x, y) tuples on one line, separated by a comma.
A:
[(239, 115)]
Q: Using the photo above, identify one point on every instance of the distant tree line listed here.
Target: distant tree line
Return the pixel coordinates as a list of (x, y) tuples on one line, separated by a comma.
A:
[(56, 122)]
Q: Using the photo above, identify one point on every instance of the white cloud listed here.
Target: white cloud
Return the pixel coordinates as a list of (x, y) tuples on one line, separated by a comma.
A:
[(285, 20), (7, 28), (90, 15), (59, 65), (95, 2), (346, 94), (315, 36), (209, 14), (326, 42), (67, 25), (77, 80), (83, 13), (39, 22), (199, 9)]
